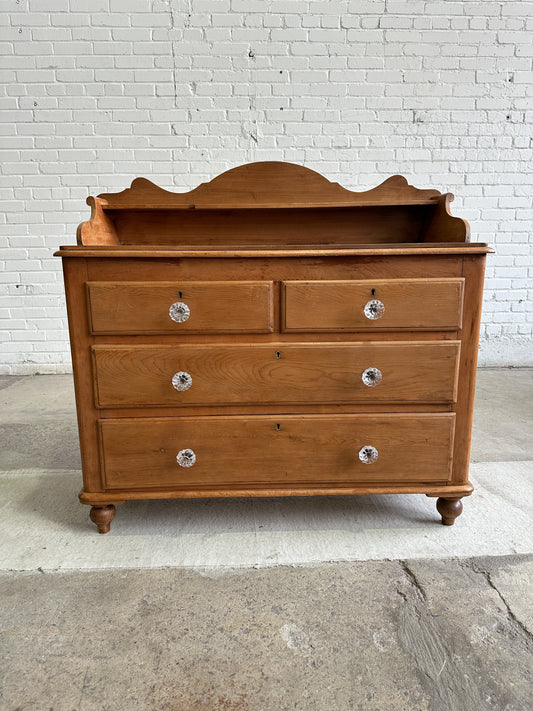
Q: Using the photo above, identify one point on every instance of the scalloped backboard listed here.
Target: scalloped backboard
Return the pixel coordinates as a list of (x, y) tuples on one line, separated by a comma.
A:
[(266, 184)]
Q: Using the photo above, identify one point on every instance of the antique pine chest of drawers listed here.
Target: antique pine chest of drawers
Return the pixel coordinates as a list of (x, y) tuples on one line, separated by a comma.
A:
[(271, 333)]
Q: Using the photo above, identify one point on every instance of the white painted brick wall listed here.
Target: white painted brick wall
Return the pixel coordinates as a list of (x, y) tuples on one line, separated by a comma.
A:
[(180, 90)]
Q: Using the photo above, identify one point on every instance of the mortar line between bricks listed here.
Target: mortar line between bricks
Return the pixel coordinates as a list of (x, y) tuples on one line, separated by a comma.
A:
[(173, 51)]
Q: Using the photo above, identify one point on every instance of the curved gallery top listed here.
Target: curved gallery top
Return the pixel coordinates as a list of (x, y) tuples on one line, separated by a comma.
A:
[(270, 206)]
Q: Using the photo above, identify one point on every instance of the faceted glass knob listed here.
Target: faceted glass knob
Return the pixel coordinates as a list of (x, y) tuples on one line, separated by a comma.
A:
[(371, 377), (186, 458), (181, 381), (179, 312), (368, 454), (374, 309)]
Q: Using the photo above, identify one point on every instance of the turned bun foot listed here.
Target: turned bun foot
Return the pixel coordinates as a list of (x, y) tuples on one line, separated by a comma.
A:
[(449, 509), (102, 517)]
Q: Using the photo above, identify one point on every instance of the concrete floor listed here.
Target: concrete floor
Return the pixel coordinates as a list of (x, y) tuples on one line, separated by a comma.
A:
[(198, 605)]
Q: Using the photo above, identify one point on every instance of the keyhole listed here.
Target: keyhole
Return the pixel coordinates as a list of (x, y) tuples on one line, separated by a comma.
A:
[(180, 294), (373, 292), (278, 354), (278, 426)]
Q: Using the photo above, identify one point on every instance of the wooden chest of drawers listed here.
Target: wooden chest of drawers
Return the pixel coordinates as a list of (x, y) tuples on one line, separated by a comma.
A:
[(271, 333)]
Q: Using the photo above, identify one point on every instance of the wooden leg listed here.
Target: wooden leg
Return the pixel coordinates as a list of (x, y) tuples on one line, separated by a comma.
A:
[(449, 509), (102, 517)]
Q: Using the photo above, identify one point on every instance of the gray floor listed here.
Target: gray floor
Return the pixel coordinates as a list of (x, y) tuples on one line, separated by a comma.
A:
[(261, 605)]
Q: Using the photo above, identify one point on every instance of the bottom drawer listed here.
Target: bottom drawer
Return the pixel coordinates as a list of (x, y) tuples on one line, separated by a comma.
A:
[(269, 449)]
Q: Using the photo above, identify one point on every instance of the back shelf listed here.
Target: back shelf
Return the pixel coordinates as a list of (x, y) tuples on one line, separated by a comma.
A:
[(272, 204)]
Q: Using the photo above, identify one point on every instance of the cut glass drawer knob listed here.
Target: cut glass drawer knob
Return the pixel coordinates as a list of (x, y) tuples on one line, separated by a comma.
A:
[(374, 309), (181, 381), (368, 454), (371, 377), (179, 312), (186, 458)]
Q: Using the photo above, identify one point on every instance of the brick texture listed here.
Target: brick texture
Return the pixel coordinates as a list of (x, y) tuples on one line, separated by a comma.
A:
[(180, 90)]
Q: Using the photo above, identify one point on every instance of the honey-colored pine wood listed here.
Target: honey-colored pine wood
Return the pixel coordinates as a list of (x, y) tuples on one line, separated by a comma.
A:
[(260, 490), (280, 228), (274, 450), (338, 306), (272, 202), (215, 307), (277, 373), (75, 274), (100, 230), (473, 271), (275, 264), (270, 250), (442, 226), (266, 184)]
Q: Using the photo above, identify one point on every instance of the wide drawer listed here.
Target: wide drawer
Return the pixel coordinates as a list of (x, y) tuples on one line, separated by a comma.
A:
[(276, 373), (378, 304), (185, 307), (395, 449)]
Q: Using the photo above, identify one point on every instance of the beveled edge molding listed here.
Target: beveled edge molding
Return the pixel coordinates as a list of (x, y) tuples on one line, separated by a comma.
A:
[(178, 252), (120, 496)]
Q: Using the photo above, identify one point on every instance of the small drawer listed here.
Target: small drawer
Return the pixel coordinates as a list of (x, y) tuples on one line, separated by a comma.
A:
[(186, 307), (388, 304), (424, 372), (276, 450)]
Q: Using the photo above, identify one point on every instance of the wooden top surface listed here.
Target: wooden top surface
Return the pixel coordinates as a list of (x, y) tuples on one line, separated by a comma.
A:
[(360, 250)]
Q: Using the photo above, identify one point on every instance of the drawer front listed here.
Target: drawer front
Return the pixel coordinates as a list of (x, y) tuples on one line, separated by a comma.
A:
[(414, 304), (276, 373), (204, 307), (265, 450)]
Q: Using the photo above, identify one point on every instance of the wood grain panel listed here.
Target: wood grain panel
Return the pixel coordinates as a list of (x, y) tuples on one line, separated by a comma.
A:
[(277, 450), (339, 305), (276, 373), (262, 184), (273, 266), (215, 307), (278, 227)]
